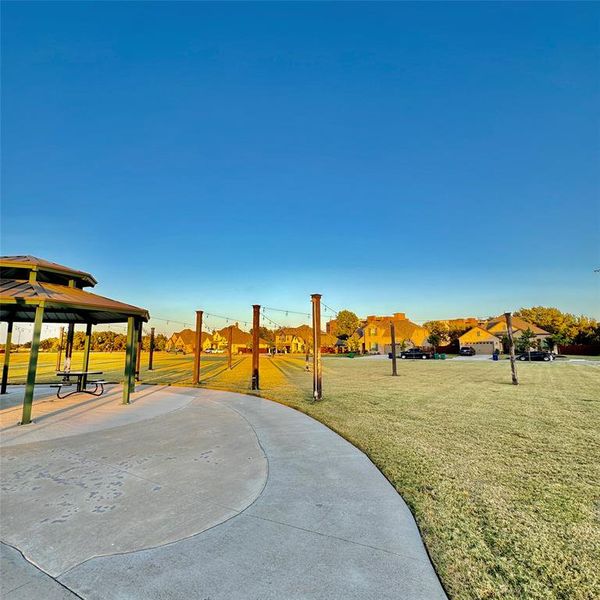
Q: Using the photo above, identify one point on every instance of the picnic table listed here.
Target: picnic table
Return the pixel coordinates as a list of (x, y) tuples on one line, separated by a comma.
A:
[(81, 384)]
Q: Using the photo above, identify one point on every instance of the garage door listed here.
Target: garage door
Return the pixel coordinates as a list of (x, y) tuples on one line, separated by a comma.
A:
[(483, 347)]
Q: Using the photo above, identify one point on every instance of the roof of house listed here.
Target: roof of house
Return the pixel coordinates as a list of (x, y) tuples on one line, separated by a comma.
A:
[(302, 331), (12, 267), (238, 336), (517, 323), (487, 333), (188, 336), (405, 329), (62, 304), (327, 339)]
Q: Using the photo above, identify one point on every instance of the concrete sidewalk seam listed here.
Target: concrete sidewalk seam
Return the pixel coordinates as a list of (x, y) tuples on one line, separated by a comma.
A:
[(66, 587), (334, 537)]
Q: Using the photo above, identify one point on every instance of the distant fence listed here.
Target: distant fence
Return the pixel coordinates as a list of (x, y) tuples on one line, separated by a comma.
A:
[(580, 349), (449, 349)]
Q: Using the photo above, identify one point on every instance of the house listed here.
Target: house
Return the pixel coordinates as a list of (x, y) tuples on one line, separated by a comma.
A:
[(241, 341), (185, 341), (465, 322), (491, 335), (294, 340), (377, 338), (483, 341), (170, 343), (328, 342)]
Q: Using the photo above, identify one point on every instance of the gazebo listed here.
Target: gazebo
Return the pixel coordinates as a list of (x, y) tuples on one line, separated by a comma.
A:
[(33, 290)]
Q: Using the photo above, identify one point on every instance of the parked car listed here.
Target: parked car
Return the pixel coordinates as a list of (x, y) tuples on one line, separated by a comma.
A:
[(536, 355), (416, 353), (467, 351)]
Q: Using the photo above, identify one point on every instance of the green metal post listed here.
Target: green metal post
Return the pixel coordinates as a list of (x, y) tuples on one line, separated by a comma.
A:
[(6, 357), (136, 327), (86, 353), (69, 346), (128, 360), (33, 358), (138, 352)]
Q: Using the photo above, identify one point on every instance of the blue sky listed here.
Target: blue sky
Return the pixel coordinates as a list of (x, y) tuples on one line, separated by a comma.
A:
[(437, 159)]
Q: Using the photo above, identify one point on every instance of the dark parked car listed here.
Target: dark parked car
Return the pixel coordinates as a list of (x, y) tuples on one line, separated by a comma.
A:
[(536, 355), (416, 353), (467, 351)]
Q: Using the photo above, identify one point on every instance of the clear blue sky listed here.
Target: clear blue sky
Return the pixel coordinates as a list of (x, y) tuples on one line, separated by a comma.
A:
[(437, 159)]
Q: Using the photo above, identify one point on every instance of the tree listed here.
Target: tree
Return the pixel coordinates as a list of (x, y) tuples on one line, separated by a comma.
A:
[(266, 334), (434, 339), (160, 342), (551, 319), (439, 330), (347, 324), (49, 344), (525, 340), (353, 343)]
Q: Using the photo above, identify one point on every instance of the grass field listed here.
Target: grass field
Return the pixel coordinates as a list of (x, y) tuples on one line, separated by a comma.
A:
[(503, 480)]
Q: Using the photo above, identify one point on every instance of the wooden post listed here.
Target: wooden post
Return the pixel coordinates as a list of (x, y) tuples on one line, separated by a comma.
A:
[(230, 344), (69, 346), (316, 321), (151, 349), (197, 348), (31, 371), (6, 357), (128, 360), (511, 347), (86, 353), (255, 343), (393, 335), (138, 351), (60, 347)]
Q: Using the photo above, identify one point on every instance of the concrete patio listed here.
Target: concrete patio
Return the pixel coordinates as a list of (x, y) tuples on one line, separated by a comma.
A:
[(190, 493)]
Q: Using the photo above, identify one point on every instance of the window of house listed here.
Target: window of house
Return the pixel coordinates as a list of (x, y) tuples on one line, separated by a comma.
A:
[(373, 331)]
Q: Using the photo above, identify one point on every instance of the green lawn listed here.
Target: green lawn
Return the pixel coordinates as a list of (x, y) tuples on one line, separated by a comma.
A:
[(503, 480)]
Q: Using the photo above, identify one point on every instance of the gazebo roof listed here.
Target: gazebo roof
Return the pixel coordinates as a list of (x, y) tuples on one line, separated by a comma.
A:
[(63, 304), (19, 267)]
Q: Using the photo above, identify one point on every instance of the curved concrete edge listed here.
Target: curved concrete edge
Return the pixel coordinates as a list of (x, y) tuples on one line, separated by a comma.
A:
[(81, 414), (21, 580), (328, 525), (126, 488)]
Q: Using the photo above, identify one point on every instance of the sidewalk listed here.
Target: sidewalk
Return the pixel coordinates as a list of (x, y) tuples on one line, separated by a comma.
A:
[(287, 510)]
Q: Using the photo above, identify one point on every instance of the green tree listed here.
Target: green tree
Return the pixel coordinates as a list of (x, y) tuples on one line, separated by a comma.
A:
[(353, 343), (347, 324), (438, 329), (434, 339), (550, 319), (160, 342), (266, 334), (525, 341)]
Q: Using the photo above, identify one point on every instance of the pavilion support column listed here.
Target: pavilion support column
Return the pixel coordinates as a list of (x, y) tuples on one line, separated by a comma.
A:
[(86, 353), (138, 352), (69, 346), (128, 360), (33, 359), (151, 350), (7, 349), (136, 326), (60, 348)]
